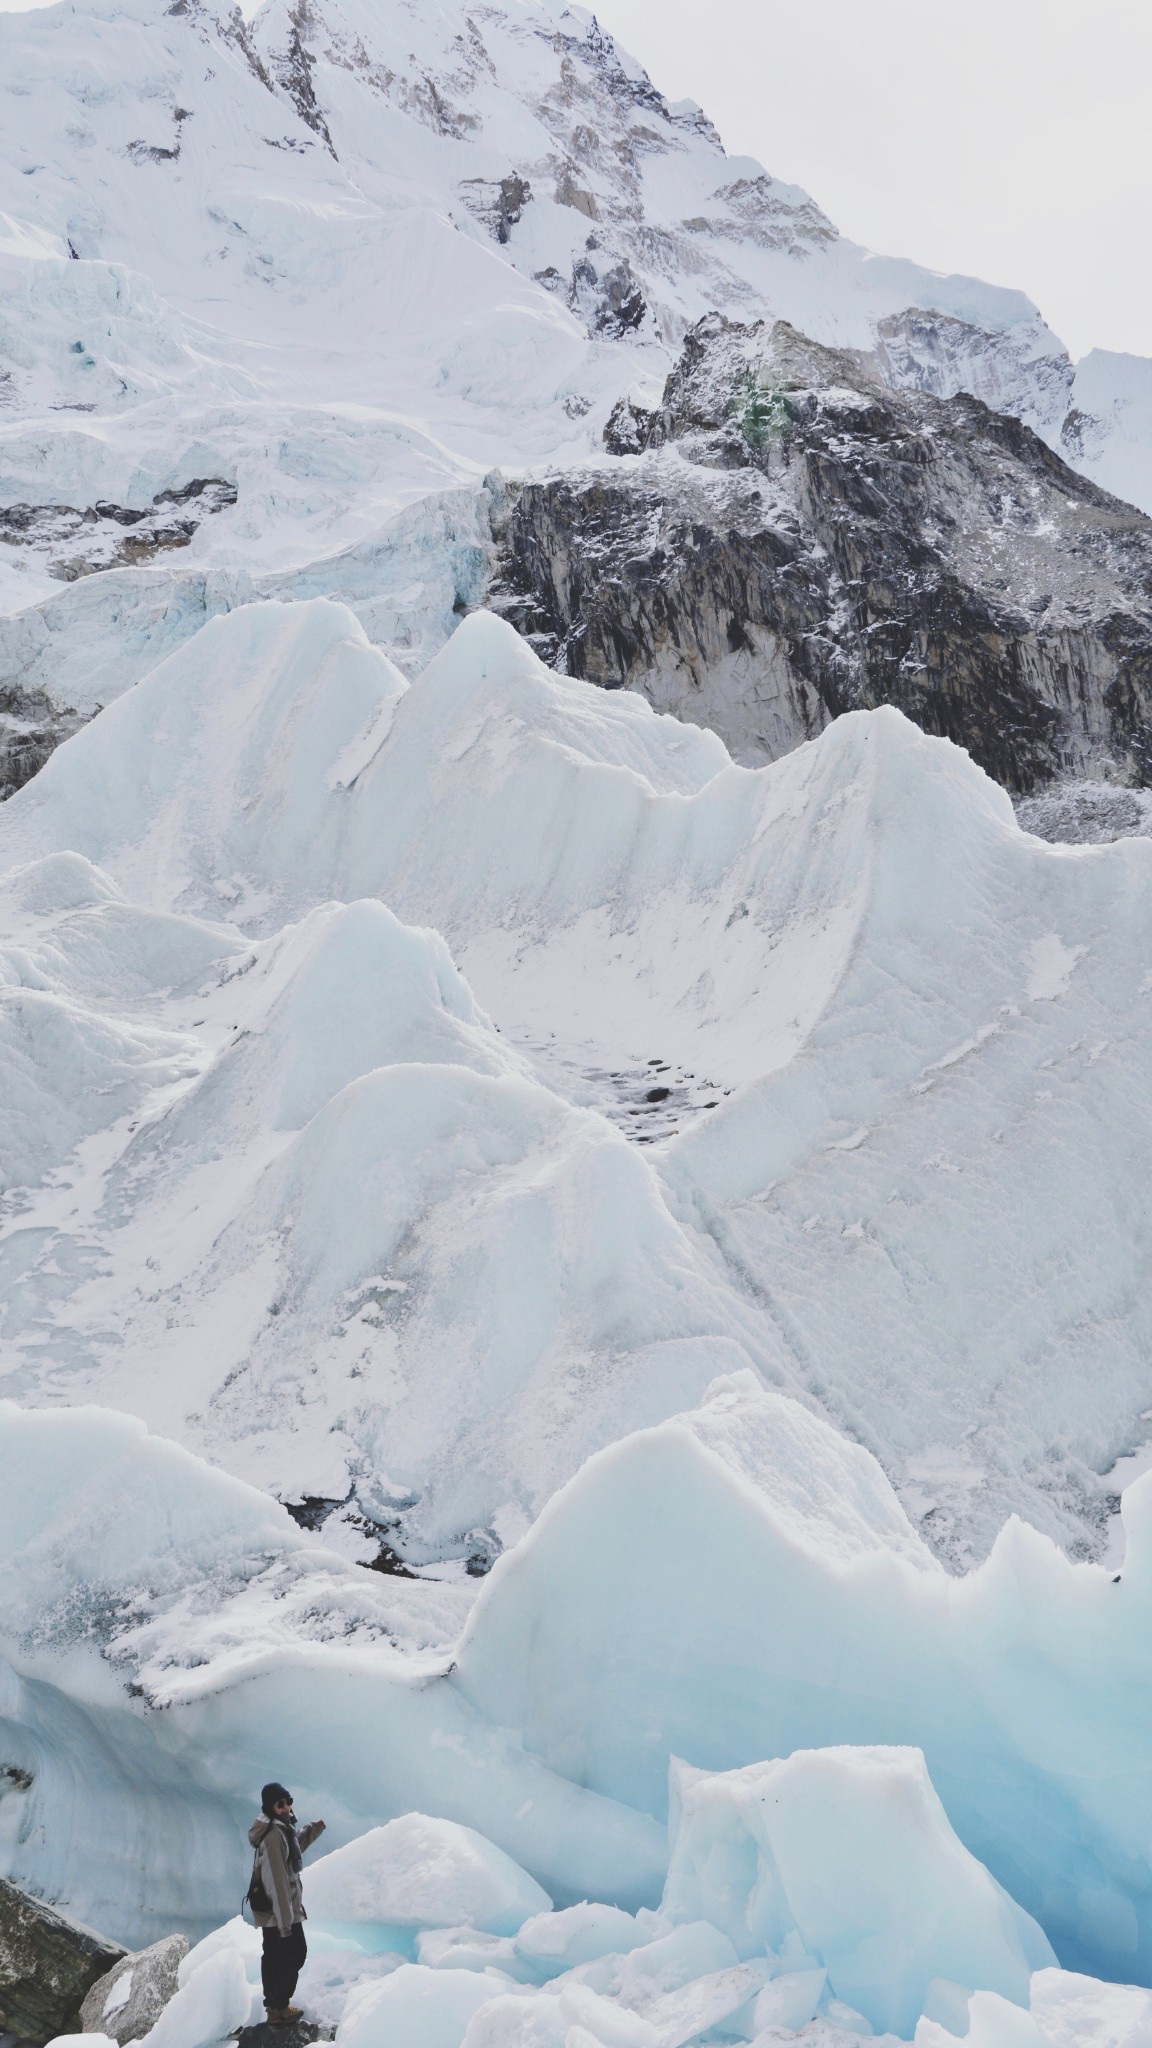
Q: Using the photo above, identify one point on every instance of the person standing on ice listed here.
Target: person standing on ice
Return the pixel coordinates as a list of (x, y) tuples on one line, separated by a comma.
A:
[(277, 1898)]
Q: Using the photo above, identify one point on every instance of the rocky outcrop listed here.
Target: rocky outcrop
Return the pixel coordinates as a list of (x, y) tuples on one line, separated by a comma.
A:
[(497, 202), (48, 1963), (292, 66), (794, 539), (81, 540), (127, 2001), (31, 727), (1086, 813), (297, 2034)]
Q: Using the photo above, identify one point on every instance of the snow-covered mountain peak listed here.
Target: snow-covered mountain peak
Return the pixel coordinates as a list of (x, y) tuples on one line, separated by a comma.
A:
[(344, 257)]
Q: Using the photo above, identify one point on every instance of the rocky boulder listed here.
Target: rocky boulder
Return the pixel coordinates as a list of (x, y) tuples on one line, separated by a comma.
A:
[(127, 2001), (48, 1964)]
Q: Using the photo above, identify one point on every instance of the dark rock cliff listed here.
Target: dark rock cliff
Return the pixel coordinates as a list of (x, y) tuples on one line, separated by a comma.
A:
[(788, 538)]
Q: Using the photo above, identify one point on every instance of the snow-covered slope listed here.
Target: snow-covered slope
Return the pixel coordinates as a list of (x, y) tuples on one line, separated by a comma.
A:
[(351, 1233), (266, 291)]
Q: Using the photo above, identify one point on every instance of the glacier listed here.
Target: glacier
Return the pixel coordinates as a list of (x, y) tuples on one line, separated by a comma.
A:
[(580, 1302), (893, 1012), (302, 1168)]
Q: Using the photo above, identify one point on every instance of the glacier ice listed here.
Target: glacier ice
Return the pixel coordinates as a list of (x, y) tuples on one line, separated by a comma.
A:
[(429, 2008), (210, 2002), (553, 1942), (850, 1852), (843, 1640), (190, 1586), (741, 1631), (343, 953), (419, 1872), (858, 1181)]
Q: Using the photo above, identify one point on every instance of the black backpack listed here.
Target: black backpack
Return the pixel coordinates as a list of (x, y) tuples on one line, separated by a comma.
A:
[(256, 1895)]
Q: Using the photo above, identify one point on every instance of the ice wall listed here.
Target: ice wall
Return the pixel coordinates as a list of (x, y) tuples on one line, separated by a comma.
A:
[(169, 1637), (736, 1585), (724, 1588)]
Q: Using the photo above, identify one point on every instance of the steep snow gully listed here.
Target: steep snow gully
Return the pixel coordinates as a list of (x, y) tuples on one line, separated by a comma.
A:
[(573, 1279)]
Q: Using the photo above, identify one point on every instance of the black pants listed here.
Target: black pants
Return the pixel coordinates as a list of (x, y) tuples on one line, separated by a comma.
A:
[(283, 1959)]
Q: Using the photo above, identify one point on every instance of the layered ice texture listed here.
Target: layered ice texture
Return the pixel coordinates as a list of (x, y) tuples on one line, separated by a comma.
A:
[(806, 1689)]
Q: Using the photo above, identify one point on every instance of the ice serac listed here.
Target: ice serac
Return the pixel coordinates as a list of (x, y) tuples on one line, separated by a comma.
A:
[(839, 1641), (652, 1220), (775, 1597), (432, 2007), (418, 1871), (114, 1795), (849, 1852), (210, 2003), (761, 1613), (828, 960), (791, 540)]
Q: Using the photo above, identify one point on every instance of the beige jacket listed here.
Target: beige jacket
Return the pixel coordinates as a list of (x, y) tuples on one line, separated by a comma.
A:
[(274, 1867)]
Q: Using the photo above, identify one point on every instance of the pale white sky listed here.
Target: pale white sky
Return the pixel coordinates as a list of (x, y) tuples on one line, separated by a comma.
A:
[(1008, 138)]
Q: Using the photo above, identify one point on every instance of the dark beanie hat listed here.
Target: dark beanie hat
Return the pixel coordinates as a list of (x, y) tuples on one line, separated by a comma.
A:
[(271, 1794)]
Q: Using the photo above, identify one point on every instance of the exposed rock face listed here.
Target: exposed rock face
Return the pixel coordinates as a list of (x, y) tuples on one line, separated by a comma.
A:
[(31, 726), (73, 542), (795, 539), (81, 540), (128, 2000), (292, 64), (1086, 813), (47, 1965), (498, 202)]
